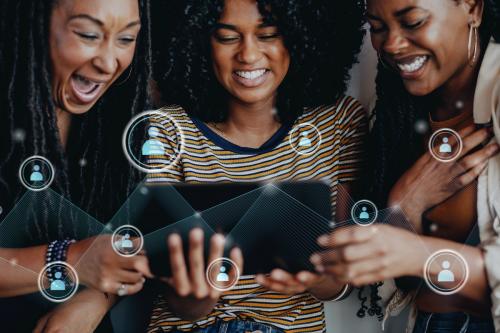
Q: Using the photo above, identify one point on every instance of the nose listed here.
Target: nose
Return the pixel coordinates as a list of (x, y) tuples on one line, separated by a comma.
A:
[(106, 60), (395, 42), (249, 52)]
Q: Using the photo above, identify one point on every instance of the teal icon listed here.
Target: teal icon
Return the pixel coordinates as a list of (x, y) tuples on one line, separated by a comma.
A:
[(153, 146), (58, 284), (36, 175)]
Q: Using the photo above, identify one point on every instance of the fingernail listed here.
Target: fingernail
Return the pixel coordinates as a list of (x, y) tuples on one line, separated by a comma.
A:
[(319, 268), (316, 259), (143, 280), (323, 240)]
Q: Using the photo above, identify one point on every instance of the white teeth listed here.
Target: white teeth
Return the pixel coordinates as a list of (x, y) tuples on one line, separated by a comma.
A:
[(417, 63), (251, 75)]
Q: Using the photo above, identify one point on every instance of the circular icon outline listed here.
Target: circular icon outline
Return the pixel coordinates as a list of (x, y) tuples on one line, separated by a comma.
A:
[(213, 284), (355, 218), (428, 279), (315, 148), (136, 251), (433, 138), (41, 277), (128, 130), (47, 184)]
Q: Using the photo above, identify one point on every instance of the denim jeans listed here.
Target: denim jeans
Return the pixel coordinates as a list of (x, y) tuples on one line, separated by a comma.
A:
[(456, 322), (237, 326)]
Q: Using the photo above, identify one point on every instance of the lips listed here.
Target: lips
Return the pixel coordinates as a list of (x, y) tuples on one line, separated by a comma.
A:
[(251, 78), (84, 89)]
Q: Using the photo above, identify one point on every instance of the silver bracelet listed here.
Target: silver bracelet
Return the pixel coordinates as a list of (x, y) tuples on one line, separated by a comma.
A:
[(346, 291)]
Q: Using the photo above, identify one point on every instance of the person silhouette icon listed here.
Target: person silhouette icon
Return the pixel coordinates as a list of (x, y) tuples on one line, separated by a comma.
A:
[(36, 175), (125, 242), (222, 276), (153, 146), (446, 275), (364, 214), (304, 140), (445, 147), (58, 284)]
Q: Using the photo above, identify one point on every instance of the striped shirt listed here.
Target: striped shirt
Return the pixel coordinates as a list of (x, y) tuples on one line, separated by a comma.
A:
[(325, 143)]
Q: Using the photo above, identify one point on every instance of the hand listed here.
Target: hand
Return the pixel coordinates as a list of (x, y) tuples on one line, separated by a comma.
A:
[(82, 314), (101, 268), (429, 182), (363, 255), (192, 282), (286, 283)]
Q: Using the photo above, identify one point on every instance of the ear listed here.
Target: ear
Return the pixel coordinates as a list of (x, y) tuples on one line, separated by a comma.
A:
[(475, 10)]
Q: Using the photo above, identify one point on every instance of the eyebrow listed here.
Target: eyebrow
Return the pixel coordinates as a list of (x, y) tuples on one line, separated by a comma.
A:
[(398, 13), (232, 27), (99, 22)]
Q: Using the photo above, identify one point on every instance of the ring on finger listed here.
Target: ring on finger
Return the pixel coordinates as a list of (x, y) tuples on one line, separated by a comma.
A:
[(122, 290)]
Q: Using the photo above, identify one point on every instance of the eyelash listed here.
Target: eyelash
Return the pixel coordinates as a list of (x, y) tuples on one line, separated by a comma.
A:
[(228, 40), (87, 36), (413, 26)]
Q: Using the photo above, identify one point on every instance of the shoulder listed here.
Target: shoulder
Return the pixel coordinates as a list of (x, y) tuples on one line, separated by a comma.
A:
[(345, 110)]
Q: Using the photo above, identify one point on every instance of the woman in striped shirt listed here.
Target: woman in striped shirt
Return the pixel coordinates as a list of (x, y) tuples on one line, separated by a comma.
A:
[(260, 98)]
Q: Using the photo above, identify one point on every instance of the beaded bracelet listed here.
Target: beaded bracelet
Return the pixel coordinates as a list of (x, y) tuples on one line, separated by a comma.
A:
[(57, 251)]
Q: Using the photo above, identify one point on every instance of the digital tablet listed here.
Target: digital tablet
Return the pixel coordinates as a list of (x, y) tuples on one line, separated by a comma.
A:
[(276, 225)]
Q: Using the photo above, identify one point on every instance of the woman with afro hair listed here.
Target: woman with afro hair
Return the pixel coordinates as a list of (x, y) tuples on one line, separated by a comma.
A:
[(439, 69), (258, 88)]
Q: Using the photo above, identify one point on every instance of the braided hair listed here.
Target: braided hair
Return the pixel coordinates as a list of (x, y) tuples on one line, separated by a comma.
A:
[(395, 144), (101, 182)]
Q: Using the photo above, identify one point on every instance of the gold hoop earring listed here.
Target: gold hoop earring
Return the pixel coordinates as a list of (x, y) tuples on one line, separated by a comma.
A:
[(128, 76), (472, 54)]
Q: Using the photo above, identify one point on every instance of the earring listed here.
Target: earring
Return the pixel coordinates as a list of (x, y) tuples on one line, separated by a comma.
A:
[(128, 76), (472, 54)]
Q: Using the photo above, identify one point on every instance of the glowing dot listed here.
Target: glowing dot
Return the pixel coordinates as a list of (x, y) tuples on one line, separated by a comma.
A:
[(19, 135), (144, 190), (433, 227), (459, 104), (1, 210), (82, 162), (274, 111), (197, 215), (421, 126), (332, 224), (13, 262)]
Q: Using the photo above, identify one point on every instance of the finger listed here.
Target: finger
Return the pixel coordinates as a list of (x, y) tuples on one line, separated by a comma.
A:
[(285, 278), (345, 236), (347, 254), (40, 326), (466, 131), (470, 176), (138, 264), (237, 257), (180, 276), (474, 139), (349, 272), (478, 157), (129, 277), (280, 286), (307, 278), (197, 263), (125, 289)]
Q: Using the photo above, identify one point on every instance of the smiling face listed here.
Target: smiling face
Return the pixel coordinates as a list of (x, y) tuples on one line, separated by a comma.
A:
[(92, 42), (426, 41), (249, 57)]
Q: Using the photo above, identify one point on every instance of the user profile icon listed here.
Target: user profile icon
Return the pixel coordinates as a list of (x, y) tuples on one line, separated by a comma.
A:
[(127, 241), (445, 145), (58, 281), (305, 139), (36, 173), (364, 213), (446, 272), (153, 141), (222, 274)]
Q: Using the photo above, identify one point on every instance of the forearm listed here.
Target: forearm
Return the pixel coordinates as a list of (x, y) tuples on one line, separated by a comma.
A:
[(476, 290), (189, 308)]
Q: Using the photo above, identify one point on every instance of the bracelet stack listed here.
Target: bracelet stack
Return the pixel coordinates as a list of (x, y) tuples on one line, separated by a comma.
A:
[(57, 252)]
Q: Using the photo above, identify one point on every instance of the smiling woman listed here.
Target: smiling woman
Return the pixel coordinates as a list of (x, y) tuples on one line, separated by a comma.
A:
[(72, 73)]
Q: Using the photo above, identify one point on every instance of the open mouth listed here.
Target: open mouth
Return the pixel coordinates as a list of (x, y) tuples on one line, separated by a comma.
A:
[(412, 66), (251, 78), (84, 89)]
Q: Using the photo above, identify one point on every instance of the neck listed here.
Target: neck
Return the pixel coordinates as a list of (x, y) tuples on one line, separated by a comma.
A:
[(457, 95), (63, 125)]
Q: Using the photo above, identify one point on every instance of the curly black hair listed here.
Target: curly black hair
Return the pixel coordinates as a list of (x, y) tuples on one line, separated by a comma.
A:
[(27, 107), (395, 144), (323, 38)]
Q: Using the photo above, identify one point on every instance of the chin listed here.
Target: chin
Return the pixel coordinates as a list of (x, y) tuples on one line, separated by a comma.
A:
[(418, 89)]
